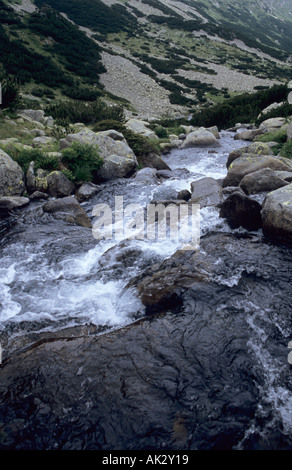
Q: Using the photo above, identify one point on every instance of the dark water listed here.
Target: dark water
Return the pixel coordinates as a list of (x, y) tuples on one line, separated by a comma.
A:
[(209, 371)]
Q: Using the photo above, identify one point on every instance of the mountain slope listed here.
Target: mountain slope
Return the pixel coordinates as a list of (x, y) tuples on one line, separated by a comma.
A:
[(162, 56)]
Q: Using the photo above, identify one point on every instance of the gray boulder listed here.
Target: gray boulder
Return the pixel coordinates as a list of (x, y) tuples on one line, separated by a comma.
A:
[(257, 148), (261, 181), (59, 185), (87, 191), (37, 195), (68, 209), (119, 159), (248, 134), (11, 176), (270, 108), (146, 176), (33, 115), (285, 175), (154, 161), (8, 203), (42, 141), (248, 163), (200, 137), (116, 166), (206, 192), (41, 182), (140, 127), (30, 178), (277, 214), (272, 124)]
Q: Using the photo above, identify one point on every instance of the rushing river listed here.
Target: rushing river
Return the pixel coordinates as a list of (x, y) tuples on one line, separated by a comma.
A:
[(57, 277)]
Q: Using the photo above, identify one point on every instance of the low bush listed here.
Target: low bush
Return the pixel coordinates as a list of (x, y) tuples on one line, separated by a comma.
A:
[(81, 111), (286, 150), (10, 92), (161, 132), (81, 160), (41, 159), (279, 136)]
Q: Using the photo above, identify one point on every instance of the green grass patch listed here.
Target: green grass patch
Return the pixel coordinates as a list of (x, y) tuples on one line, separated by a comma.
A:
[(279, 136), (286, 150)]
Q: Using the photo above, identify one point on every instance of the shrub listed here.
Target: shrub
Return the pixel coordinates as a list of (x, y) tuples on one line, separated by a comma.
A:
[(286, 150), (279, 136), (81, 111), (242, 108), (10, 92), (41, 159), (82, 160), (161, 132)]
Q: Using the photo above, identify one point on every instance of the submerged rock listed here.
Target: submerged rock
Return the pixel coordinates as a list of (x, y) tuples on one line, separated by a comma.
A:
[(240, 210), (68, 209), (206, 192)]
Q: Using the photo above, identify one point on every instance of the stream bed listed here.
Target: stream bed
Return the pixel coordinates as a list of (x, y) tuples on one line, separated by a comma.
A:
[(86, 366)]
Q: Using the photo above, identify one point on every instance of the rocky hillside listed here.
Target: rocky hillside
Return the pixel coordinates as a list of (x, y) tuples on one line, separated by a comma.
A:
[(160, 57)]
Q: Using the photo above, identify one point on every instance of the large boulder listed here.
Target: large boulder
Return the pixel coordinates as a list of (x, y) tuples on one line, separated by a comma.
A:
[(11, 176), (119, 159), (146, 176), (8, 203), (257, 148), (248, 134), (59, 185), (43, 141), (269, 108), (140, 127), (153, 160), (272, 124), (200, 137), (33, 115), (240, 210), (277, 214), (262, 181), (68, 209), (206, 192), (248, 163)]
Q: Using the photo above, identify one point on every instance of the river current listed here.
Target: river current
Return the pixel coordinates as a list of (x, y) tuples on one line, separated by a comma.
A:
[(56, 277)]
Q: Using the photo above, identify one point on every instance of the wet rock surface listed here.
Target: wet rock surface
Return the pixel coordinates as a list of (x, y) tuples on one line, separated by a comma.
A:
[(187, 378)]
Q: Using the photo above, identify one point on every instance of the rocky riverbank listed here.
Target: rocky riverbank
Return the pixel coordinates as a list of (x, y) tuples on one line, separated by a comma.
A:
[(254, 170)]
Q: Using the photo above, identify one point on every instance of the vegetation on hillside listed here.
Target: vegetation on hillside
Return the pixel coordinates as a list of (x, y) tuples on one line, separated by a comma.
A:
[(70, 111), (243, 108), (94, 14), (46, 49)]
